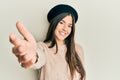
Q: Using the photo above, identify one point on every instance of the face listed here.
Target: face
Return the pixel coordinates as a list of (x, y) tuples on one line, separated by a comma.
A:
[(63, 29)]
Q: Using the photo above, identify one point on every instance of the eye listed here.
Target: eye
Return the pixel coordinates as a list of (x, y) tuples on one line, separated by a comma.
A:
[(61, 22), (70, 26)]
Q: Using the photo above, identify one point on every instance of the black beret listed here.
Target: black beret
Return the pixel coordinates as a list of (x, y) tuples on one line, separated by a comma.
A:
[(62, 8)]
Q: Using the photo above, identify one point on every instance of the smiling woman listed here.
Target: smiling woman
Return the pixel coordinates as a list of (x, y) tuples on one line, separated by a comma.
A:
[(46, 56), (63, 29)]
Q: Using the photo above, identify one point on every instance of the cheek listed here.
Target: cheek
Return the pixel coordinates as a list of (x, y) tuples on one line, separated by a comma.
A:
[(58, 28), (56, 31), (69, 31)]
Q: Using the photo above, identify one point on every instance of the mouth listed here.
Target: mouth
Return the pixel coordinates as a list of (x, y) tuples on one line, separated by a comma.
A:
[(62, 33)]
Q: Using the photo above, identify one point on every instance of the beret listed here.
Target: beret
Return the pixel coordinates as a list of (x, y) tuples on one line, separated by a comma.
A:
[(62, 8)]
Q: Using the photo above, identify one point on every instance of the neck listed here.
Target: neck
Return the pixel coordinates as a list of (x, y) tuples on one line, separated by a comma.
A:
[(60, 42)]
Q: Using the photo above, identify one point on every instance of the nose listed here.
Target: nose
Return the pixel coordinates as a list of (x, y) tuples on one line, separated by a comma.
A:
[(65, 27)]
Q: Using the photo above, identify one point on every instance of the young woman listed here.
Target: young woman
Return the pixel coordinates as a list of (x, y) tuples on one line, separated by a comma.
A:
[(57, 57)]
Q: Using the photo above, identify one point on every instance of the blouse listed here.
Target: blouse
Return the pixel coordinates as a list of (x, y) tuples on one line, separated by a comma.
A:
[(53, 66)]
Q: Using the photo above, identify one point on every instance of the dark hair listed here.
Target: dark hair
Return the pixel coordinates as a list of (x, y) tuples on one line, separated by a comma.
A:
[(72, 57)]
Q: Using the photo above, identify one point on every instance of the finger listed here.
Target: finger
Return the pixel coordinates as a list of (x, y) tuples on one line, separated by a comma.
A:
[(24, 59), (27, 57), (24, 32), (14, 50), (14, 40), (27, 64), (18, 50)]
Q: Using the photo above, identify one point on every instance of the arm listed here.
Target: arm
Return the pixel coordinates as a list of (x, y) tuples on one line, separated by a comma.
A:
[(80, 53), (41, 57), (26, 49)]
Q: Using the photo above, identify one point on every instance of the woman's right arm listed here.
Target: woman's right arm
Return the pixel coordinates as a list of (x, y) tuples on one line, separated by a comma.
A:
[(41, 59), (26, 50)]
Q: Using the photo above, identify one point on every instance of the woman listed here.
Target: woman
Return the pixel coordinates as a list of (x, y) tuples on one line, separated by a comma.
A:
[(58, 57)]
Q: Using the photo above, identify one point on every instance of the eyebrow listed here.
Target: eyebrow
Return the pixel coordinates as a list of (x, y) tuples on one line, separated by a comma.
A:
[(64, 22)]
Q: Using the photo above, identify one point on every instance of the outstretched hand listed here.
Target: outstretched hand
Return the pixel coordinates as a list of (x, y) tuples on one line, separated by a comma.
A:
[(24, 49)]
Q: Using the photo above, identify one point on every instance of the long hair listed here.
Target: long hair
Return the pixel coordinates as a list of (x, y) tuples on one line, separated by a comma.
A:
[(72, 57)]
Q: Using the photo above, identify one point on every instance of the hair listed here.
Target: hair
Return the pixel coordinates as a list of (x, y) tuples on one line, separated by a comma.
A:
[(72, 57)]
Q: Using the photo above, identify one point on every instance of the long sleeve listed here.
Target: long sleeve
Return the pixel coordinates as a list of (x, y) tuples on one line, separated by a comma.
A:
[(41, 57), (80, 53)]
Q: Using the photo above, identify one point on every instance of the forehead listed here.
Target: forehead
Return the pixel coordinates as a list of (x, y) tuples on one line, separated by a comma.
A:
[(68, 18)]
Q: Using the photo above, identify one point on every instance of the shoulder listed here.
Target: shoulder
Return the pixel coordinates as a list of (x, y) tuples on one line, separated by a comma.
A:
[(80, 52), (42, 45), (79, 49)]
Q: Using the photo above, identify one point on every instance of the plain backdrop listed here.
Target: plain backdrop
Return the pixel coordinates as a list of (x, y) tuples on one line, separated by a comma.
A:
[(97, 31)]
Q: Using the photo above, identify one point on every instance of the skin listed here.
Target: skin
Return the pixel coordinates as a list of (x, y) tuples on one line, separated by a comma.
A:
[(63, 29), (25, 49)]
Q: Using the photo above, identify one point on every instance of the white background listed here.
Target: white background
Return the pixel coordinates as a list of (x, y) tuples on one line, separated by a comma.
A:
[(97, 30)]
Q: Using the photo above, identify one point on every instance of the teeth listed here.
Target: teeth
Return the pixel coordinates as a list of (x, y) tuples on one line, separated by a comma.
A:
[(62, 33)]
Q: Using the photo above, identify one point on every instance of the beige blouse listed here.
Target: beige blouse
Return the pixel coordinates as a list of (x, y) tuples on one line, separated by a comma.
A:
[(53, 66)]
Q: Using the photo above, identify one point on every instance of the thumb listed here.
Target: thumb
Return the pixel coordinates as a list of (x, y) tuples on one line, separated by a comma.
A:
[(24, 32)]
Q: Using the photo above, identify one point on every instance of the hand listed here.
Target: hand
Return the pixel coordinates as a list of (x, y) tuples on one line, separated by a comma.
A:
[(24, 49)]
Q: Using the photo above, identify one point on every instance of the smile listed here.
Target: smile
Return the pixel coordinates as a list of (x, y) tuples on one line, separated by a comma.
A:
[(62, 33)]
